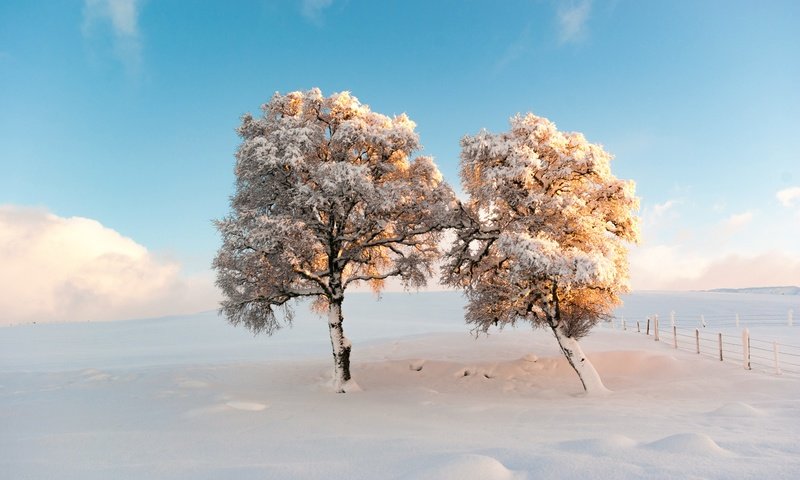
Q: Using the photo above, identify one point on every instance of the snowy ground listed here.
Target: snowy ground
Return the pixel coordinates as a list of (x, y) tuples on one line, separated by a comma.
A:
[(193, 398)]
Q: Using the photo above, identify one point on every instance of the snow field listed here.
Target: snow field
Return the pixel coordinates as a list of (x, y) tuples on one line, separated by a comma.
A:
[(193, 398)]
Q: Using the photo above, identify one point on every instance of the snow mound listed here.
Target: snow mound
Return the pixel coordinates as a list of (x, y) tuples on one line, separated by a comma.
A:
[(475, 372), (637, 363), (688, 443), (600, 446), (738, 409), (468, 467), (416, 365)]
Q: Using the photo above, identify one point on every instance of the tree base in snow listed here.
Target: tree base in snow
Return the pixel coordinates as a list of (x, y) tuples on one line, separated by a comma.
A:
[(349, 386)]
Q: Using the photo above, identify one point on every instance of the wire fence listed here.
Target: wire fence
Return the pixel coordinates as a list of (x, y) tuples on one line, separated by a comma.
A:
[(723, 338)]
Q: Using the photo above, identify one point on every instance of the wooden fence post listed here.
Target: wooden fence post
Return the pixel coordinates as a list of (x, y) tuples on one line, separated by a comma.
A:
[(720, 346), (697, 339), (638, 327), (655, 327), (648, 326), (746, 348), (675, 337)]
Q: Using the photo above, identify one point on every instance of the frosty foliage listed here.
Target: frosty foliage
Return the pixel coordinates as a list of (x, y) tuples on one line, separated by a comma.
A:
[(327, 195), (542, 238)]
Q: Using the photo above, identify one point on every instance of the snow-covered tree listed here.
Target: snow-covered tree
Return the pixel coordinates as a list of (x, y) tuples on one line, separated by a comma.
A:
[(327, 196), (543, 235)]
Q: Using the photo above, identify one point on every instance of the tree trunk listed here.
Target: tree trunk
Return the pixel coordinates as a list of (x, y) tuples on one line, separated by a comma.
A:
[(342, 381), (587, 374)]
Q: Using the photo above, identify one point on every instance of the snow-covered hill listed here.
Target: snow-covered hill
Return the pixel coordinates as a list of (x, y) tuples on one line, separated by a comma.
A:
[(790, 290)]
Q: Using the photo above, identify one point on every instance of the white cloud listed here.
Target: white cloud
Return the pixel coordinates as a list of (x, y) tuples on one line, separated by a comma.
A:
[(737, 221), (572, 21), (789, 196), (123, 18), (62, 269), (312, 9), (661, 208), (660, 214)]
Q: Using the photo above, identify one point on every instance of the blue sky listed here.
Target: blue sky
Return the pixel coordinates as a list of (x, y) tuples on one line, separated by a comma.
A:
[(123, 112)]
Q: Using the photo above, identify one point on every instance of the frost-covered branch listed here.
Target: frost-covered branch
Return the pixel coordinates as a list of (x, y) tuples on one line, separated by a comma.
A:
[(366, 278), (314, 277)]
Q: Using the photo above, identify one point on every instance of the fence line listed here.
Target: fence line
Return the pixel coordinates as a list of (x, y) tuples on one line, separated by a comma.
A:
[(752, 353)]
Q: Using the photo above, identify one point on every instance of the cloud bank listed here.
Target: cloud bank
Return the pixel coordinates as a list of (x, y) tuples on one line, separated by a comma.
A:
[(736, 251), (75, 269), (664, 267)]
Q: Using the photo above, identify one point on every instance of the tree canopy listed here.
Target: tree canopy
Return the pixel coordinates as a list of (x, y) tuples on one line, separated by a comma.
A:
[(543, 235), (327, 196)]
